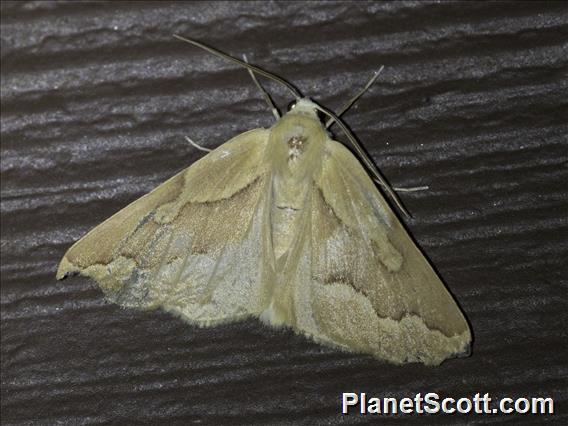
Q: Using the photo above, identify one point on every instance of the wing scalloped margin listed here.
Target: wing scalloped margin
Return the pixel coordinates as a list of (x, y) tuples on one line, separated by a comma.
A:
[(190, 245)]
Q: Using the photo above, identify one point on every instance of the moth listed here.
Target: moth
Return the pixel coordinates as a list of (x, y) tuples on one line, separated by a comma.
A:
[(286, 225)]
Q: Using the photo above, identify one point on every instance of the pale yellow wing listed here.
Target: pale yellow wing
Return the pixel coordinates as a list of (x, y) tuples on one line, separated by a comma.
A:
[(371, 289), (191, 245)]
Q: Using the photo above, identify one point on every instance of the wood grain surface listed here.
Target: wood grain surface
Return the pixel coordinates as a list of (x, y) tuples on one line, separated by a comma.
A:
[(96, 101)]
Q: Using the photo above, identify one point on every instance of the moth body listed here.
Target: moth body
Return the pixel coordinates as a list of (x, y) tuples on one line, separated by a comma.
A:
[(294, 152)]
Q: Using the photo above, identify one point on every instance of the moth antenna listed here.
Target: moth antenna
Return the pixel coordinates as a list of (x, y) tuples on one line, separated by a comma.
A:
[(354, 99), (254, 68), (377, 177), (196, 145), (265, 94)]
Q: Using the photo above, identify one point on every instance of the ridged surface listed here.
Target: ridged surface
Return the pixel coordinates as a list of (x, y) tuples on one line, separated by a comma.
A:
[(96, 100)]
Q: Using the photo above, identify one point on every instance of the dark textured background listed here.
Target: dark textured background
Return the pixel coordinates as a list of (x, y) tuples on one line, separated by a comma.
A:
[(96, 99)]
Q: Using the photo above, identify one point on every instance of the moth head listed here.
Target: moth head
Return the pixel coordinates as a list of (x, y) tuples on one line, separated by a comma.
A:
[(300, 125), (303, 106)]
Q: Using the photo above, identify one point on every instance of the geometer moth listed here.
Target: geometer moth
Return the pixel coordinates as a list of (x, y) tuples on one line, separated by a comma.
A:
[(286, 225)]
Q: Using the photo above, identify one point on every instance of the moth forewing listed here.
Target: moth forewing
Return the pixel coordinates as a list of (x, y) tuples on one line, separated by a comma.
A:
[(282, 224)]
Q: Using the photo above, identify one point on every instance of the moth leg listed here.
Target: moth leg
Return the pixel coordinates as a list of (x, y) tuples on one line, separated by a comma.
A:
[(265, 94), (354, 99), (411, 189), (196, 145)]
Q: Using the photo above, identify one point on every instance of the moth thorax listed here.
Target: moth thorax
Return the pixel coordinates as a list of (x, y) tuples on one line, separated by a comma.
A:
[(296, 143), (296, 146)]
